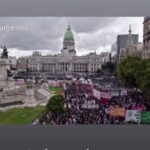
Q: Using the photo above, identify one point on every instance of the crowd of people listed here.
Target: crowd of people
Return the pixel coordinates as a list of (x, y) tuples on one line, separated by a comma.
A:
[(77, 95)]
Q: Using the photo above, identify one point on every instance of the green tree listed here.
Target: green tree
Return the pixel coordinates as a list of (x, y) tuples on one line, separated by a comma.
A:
[(109, 66), (5, 52), (56, 104), (128, 71), (135, 72), (99, 72), (140, 71), (145, 84)]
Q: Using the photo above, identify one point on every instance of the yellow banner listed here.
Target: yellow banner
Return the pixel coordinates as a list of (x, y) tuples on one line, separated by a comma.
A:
[(117, 112)]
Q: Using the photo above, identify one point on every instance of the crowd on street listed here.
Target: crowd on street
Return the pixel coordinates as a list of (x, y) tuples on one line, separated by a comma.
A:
[(82, 107)]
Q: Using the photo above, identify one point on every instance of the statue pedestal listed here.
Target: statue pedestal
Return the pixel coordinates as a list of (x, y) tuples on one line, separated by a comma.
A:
[(3, 70)]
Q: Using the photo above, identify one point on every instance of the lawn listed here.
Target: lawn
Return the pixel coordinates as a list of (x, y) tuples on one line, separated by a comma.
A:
[(20, 116), (56, 89)]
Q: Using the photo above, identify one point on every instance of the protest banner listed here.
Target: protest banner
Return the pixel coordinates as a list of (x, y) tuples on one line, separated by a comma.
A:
[(104, 101), (106, 95), (114, 93), (96, 94), (140, 108), (53, 83), (116, 111), (133, 115), (90, 105), (145, 117)]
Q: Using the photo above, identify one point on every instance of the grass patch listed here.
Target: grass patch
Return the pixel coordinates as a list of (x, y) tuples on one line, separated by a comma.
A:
[(56, 90), (20, 116)]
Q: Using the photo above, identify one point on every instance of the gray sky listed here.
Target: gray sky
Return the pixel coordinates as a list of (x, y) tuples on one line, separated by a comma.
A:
[(46, 34)]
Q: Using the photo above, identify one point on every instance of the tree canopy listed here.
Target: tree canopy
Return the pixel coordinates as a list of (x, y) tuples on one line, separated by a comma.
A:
[(56, 104), (135, 72), (128, 71), (109, 66)]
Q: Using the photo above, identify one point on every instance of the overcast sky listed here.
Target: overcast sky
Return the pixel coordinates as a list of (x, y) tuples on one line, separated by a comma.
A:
[(46, 34)]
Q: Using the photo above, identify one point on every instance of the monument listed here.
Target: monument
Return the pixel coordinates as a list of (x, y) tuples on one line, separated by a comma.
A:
[(3, 70)]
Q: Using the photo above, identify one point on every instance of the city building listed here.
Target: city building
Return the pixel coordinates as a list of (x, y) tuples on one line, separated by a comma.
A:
[(13, 62), (131, 48), (67, 62), (22, 64), (122, 41), (114, 49), (114, 52), (146, 38), (140, 49)]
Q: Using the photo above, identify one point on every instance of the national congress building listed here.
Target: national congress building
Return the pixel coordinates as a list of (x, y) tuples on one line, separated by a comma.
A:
[(67, 62)]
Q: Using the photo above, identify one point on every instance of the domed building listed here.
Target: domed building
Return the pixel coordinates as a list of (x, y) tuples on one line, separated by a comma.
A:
[(68, 43), (68, 35), (66, 62)]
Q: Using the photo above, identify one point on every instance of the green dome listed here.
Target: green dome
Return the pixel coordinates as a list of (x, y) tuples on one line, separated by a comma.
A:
[(68, 34)]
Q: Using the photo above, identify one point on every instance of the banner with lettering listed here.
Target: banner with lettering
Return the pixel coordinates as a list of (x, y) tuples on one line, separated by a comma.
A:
[(117, 111), (133, 115), (90, 105), (114, 93), (106, 95)]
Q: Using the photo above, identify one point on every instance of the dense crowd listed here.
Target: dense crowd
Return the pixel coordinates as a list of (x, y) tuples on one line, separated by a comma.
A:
[(76, 95)]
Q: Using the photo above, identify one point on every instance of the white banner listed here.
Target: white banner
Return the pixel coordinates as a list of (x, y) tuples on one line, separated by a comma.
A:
[(106, 95), (90, 105), (133, 115), (53, 83), (20, 81), (123, 92), (114, 93), (96, 94)]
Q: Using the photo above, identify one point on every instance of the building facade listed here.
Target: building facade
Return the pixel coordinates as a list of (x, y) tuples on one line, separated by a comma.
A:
[(114, 52), (140, 49), (146, 38), (122, 42), (67, 62), (131, 48), (22, 64), (13, 62)]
